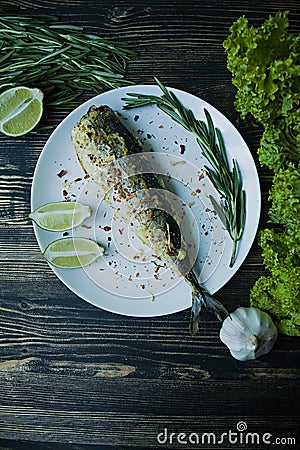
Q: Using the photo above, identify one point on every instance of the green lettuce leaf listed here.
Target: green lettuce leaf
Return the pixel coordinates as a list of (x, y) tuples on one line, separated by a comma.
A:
[(279, 293), (265, 64), (280, 143), (285, 198)]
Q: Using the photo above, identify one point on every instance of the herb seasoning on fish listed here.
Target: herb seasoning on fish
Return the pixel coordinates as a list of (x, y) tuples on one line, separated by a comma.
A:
[(101, 141)]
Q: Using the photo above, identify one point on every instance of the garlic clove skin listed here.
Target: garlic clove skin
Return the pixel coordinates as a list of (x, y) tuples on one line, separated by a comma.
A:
[(248, 333)]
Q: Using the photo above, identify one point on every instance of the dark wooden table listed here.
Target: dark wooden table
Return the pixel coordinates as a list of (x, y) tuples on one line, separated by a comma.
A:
[(74, 376)]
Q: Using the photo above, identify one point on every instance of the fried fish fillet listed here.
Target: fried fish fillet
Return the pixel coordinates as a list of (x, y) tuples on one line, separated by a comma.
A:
[(101, 141)]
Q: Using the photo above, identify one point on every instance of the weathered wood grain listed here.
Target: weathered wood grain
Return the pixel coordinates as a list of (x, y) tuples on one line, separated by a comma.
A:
[(128, 431), (73, 376)]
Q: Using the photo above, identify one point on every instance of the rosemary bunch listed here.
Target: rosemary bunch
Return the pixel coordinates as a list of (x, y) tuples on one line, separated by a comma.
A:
[(60, 59), (226, 179)]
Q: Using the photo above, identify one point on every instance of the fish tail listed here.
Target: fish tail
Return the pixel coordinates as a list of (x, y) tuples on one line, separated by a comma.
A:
[(214, 306), (197, 303), (201, 298)]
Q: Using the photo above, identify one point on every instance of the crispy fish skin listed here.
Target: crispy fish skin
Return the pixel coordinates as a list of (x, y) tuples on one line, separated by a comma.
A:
[(100, 139)]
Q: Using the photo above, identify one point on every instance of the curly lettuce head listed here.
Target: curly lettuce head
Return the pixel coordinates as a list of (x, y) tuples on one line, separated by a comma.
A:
[(280, 143), (285, 197), (279, 293), (281, 300), (265, 66)]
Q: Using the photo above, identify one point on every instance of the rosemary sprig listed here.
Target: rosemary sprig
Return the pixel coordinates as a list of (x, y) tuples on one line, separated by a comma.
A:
[(226, 179), (60, 59)]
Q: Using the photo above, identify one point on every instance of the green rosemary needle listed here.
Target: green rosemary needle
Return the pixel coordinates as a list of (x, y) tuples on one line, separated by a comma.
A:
[(60, 59), (226, 179)]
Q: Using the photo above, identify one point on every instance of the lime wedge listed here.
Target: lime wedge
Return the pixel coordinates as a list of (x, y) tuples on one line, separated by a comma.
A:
[(60, 216), (20, 110), (70, 253)]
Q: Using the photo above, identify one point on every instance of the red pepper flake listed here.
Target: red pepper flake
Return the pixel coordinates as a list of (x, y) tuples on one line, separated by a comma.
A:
[(137, 274), (101, 268), (86, 176), (65, 193), (161, 126), (62, 173), (150, 214), (158, 266), (198, 191), (201, 176), (182, 149), (142, 286), (121, 230), (88, 227), (144, 259), (129, 278), (158, 257), (106, 228), (130, 196), (77, 179)]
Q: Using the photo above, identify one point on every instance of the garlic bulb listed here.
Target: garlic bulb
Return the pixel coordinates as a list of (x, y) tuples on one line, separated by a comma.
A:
[(248, 333)]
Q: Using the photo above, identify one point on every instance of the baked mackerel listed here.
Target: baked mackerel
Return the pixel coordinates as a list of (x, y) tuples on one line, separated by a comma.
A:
[(100, 141)]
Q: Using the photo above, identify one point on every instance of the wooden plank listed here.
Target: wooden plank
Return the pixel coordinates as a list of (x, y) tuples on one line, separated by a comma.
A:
[(132, 430), (75, 376)]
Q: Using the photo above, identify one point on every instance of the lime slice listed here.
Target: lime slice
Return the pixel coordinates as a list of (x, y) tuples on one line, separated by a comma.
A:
[(20, 110), (60, 216), (70, 253)]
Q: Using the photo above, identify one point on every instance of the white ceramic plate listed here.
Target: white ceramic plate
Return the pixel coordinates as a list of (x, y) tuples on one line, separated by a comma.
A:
[(123, 283)]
